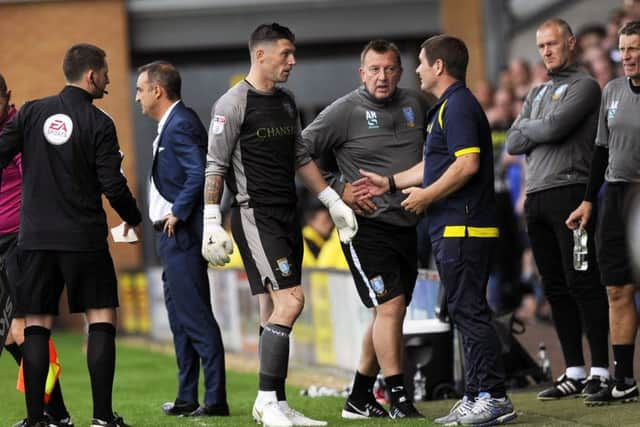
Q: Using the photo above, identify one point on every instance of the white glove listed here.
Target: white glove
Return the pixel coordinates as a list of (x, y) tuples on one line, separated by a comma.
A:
[(216, 243), (341, 214)]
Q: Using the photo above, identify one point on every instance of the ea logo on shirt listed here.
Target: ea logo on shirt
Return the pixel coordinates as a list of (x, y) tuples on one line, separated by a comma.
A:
[(57, 129)]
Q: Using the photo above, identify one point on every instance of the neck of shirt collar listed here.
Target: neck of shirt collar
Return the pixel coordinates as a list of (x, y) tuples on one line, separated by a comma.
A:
[(381, 102), (165, 116), (78, 93)]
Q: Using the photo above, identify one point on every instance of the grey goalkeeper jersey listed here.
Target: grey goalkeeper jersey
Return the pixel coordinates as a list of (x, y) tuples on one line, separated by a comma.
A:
[(619, 130), (255, 142), (556, 129), (364, 133)]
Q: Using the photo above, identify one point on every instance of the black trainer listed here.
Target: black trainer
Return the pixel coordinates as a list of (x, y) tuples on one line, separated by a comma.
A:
[(563, 387), (357, 410), (117, 421), (595, 384), (25, 423), (613, 394), (403, 408)]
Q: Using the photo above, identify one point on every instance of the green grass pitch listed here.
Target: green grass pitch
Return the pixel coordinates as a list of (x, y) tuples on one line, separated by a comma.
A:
[(146, 379)]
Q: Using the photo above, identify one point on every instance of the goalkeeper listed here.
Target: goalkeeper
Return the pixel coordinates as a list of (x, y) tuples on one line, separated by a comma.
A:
[(255, 142)]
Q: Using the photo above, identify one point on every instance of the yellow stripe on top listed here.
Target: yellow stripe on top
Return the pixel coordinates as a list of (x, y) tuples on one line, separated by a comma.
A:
[(441, 114), (468, 150), (464, 231)]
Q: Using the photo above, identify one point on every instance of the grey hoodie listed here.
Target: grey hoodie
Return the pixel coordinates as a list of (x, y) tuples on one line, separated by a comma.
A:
[(382, 136), (556, 130)]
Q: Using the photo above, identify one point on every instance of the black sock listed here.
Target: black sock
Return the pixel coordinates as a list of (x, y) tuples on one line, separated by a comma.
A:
[(101, 360), (15, 351), (623, 362), (395, 387), (281, 393), (362, 386), (56, 407), (274, 357), (36, 366)]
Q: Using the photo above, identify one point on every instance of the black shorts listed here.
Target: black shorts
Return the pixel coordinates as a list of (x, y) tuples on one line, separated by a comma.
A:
[(270, 243), (612, 250), (9, 253), (89, 277), (383, 261)]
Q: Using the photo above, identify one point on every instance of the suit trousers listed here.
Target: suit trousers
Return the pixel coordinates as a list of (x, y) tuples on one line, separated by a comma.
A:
[(196, 334)]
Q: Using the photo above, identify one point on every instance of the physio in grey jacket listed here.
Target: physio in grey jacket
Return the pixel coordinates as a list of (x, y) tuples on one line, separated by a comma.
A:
[(556, 130), (378, 127)]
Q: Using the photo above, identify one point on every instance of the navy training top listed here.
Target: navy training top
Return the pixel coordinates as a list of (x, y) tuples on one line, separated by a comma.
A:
[(458, 126)]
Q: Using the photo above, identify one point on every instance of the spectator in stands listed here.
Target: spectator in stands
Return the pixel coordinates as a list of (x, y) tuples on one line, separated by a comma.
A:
[(600, 65), (590, 36), (520, 76)]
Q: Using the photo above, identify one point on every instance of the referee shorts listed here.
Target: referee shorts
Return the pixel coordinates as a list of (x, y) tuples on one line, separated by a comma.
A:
[(90, 279), (383, 261), (612, 250), (270, 243)]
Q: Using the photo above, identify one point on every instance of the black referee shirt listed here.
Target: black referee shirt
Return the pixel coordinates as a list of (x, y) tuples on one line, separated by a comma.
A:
[(70, 157)]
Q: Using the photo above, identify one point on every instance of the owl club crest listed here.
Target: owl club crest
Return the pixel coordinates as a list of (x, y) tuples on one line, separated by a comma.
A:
[(284, 267)]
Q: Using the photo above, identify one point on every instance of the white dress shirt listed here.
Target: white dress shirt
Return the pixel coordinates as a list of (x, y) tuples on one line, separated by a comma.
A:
[(159, 207)]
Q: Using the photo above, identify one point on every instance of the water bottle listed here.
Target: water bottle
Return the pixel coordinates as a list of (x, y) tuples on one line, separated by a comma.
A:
[(580, 261), (419, 385)]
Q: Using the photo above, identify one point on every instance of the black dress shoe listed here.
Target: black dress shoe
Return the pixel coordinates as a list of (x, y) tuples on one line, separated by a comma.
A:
[(178, 408), (214, 410)]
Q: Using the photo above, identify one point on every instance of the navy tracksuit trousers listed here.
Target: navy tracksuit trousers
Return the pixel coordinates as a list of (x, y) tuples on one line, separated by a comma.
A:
[(464, 265)]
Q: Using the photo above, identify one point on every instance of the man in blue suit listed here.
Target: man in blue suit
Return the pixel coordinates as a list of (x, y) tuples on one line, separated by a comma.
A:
[(175, 208)]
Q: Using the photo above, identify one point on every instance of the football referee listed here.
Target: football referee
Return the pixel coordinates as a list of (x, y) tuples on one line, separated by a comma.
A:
[(70, 157)]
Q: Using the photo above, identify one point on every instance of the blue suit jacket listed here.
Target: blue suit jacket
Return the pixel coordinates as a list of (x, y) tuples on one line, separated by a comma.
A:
[(178, 166)]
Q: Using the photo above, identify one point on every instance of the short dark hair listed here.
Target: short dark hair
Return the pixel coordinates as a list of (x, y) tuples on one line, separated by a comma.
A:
[(3, 87), (380, 46), (80, 58), (564, 25), (451, 50), (164, 74), (597, 29), (270, 33), (630, 29)]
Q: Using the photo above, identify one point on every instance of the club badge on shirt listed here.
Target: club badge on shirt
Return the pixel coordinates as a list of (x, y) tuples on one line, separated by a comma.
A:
[(613, 108), (410, 116), (57, 129), (218, 124), (557, 94), (289, 109)]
